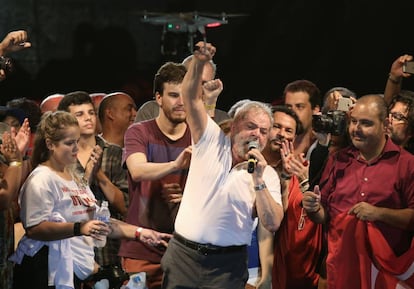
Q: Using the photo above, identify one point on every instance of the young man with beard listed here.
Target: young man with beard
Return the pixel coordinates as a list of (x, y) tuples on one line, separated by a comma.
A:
[(150, 109), (366, 198), (157, 155), (221, 198)]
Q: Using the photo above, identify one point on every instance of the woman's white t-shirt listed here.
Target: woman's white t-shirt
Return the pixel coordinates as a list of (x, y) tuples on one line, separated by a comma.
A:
[(44, 193)]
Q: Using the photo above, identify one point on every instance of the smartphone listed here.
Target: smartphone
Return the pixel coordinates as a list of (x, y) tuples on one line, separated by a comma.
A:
[(408, 67), (344, 103)]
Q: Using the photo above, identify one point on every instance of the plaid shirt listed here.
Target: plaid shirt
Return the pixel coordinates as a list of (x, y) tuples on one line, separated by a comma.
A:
[(111, 166)]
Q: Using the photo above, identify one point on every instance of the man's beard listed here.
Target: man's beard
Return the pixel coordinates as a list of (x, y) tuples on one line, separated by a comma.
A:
[(241, 145), (174, 119)]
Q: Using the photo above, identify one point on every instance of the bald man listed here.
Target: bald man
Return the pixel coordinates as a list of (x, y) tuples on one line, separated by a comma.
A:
[(116, 112), (366, 197)]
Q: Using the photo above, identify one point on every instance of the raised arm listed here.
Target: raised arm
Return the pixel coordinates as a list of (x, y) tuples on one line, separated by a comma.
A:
[(14, 41), (395, 77), (192, 87), (211, 91)]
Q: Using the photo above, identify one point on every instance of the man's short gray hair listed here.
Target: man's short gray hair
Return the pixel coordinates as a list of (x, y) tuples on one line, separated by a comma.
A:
[(253, 104)]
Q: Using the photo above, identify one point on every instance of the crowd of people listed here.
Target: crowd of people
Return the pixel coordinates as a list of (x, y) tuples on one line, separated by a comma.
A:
[(329, 191)]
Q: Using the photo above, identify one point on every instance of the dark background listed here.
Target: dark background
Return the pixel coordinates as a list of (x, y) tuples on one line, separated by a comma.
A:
[(102, 45)]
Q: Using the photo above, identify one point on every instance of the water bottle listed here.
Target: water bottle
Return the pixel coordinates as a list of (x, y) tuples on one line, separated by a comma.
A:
[(102, 214), (136, 281)]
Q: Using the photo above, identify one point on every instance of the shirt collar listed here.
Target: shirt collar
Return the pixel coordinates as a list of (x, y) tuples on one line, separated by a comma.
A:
[(390, 149)]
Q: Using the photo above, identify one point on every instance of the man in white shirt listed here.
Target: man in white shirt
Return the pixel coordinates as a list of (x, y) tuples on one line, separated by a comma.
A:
[(221, 199)]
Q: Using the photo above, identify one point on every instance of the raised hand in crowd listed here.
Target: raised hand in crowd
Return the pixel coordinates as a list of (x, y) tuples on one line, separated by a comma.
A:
[(294, 164), (22, 136), (211, 91), (395, 77), (332, 101), (396, 71), (14, 41)]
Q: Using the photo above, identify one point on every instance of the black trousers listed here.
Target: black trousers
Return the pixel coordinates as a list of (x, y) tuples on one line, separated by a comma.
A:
[(185, 268), (33, 272)]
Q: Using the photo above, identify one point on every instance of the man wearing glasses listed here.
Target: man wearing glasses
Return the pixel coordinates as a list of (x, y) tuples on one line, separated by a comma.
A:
[(401, 125)]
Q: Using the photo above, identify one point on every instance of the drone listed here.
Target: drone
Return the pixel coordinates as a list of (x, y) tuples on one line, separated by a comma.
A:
[(189, 23)]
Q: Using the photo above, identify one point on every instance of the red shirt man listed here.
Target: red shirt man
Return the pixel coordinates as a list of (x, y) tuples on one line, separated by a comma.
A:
[(370, 182)]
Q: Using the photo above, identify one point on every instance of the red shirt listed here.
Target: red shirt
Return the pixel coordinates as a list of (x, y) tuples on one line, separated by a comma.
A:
[(384, 182), (296, 250)]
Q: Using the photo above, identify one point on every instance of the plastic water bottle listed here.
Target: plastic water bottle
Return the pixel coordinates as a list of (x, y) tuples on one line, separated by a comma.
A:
[(102, 214), (136, 281)]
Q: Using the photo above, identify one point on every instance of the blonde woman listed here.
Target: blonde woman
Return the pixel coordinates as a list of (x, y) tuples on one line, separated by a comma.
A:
[(57, 211)]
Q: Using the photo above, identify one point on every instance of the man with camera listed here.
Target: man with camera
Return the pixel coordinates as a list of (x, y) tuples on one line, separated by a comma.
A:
[(330, 128), (14, 41), (366, 197)]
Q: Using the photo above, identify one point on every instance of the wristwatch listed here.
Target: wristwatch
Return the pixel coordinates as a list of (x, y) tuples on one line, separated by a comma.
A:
[(260, 187)]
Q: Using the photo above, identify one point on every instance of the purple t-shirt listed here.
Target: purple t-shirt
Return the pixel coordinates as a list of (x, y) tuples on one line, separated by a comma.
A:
[(147, 205)]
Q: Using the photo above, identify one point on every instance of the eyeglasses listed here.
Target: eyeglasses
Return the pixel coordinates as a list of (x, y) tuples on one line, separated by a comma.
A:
[(398, 116)]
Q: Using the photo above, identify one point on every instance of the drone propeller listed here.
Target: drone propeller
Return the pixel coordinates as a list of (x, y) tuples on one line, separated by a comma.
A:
[(187, 22), (224, 15), (188, 18)]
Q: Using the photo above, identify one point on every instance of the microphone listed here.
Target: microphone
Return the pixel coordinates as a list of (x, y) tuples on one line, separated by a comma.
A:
[(251, 162)]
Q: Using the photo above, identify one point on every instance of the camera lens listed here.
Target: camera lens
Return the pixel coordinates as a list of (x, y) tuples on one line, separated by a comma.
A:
[(322, 123), (6, 64), (333, 122)]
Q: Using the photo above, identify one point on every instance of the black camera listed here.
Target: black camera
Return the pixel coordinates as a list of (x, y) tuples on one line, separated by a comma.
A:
[(334, 122), (113, 273), (6, 64)]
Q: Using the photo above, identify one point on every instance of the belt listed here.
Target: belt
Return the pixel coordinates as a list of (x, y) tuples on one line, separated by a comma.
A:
[(208, 249)]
